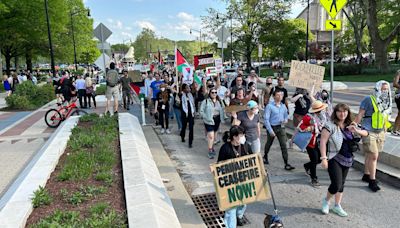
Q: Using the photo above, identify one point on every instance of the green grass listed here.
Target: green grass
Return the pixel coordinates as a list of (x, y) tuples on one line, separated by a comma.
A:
[(41, 197), (363, 78)]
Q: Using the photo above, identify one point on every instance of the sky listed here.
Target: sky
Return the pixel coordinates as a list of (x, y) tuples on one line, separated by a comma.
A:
[(171, 19)]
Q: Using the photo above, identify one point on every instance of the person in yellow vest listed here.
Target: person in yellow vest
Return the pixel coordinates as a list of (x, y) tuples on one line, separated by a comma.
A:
[(374, 113)]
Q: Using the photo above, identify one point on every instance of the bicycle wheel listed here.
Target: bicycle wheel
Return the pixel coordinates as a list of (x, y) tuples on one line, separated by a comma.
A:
[(79, 112), (53, 118)]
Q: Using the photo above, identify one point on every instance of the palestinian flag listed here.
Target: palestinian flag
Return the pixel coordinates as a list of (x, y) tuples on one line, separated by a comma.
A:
[(184, 67)]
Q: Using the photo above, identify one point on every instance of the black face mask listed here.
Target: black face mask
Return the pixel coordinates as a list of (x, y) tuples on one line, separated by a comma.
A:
[(268, 84), (324, 97), (210, 86)]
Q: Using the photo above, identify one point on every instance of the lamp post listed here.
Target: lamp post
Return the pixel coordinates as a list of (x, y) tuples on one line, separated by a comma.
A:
[(308, 18), (53, 68), (199, 31), (73, 34)]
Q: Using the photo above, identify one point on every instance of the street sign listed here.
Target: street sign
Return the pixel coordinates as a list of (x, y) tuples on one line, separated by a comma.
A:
[(222, 34), (102, 61), (104, 46), (333, 7), (260, 50), (333, 25), (101, 32), (224, 45)]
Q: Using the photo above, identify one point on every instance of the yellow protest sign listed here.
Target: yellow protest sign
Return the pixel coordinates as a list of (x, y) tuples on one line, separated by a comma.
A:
[(306, 76), (240, 181), (333, 25), (333, 7)]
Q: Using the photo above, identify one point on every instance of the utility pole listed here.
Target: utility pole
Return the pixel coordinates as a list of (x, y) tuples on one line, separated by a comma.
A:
[(308, 19), (53, 68), (1, 63)]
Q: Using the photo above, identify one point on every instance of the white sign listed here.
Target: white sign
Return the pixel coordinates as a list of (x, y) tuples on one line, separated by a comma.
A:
[(211, 71), (222, 34), (206, 61), (220, 45), (101, 32), (218, 65), (306, 76), (104, 58), (104, 46), (187, 75), (260, 50)]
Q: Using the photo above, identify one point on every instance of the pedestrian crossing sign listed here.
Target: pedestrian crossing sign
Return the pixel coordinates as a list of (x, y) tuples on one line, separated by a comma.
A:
[(335, 25), (333, 7)]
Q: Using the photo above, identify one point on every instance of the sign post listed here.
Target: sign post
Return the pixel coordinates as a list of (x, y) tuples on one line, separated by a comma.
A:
[(260, 52), (102, 33), (333, 7)]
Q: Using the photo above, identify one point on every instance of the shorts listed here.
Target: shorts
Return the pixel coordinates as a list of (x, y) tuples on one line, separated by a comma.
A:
[(374, 142), (397, 101), (112, 92), (215, 127)]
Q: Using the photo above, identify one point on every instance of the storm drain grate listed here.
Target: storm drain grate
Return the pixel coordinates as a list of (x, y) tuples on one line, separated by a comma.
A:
[(207, 206)]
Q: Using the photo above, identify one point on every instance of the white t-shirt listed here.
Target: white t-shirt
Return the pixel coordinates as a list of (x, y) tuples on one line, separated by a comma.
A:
[(80, 84)]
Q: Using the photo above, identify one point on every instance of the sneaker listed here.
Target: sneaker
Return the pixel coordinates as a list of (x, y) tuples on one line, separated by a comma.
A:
[(162, 131), (190, 146), (265, 160), (373, 185), (240, 221), (289, 167), (365, 178), (325, 206), (396, 133), (168, 131), (216, 142), (339, 211), (308, 173), (315, 183), (210, 155)]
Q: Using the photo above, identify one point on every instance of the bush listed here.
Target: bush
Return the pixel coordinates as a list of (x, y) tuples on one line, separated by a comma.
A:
[(29, 96), (343, 69), (101, 90), (41, 197)]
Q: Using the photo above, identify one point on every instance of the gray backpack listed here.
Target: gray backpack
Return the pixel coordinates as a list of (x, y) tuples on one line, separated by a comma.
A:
[(112, 78)]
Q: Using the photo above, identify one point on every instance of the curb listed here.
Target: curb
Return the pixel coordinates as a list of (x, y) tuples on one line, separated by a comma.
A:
[(16, 204), (147, 201)]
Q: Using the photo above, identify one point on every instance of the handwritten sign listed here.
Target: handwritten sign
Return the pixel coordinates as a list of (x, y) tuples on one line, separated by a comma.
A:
[(306, 76), (240, 181)]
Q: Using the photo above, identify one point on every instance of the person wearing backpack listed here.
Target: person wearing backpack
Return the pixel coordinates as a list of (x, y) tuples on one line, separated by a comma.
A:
[(112, 91), (374, 113)]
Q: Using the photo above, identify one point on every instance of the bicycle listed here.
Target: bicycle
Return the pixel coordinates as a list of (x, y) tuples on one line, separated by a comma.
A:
[(54, 117)]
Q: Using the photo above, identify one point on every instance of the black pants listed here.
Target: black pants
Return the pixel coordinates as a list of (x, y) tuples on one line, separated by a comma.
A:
[(126, 95), (89, 97), (314, 155), (82, 94), (280, 133), (185, 120), (163, 117), (337, 174)]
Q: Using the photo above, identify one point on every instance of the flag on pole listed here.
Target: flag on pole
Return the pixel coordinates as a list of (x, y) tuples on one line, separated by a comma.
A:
[(184, 67)]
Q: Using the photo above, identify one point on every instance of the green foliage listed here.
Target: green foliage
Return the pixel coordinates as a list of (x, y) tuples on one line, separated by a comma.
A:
[(60, 219), (77, 198), (30, 96), (344, 69), (101, 90), (41, 197)]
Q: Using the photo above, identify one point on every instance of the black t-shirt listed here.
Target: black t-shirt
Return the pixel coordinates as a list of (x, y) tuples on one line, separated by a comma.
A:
[(302, 105), (161, 101), (285, 93), (226, 152), (177, 101)]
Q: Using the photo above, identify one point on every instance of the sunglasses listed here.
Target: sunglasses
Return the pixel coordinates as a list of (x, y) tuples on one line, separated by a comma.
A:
[(214, 92)]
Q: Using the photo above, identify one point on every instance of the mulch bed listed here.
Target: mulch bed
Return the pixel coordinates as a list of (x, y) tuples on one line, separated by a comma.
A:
[(114, 195)]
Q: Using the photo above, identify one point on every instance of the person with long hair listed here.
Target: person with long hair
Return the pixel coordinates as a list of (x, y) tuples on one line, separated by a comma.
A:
[(341, 134), (234, 146), (90, 90), (212, 112), (162, 108)]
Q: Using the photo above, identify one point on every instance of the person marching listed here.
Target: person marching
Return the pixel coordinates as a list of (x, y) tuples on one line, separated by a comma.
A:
[(126, 89), (188, 110), (212, 112), (234, 146), (341, 134), (374, 113), (396, 84), (162, 108)]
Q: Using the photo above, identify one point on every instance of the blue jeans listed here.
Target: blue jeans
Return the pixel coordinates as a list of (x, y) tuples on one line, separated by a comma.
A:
[(232, 214), (178, 117)]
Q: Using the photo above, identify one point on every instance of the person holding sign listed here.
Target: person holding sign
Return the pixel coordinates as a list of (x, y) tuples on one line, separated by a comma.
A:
[(234, 146), (276, 116), (212, 112), (341, 134)]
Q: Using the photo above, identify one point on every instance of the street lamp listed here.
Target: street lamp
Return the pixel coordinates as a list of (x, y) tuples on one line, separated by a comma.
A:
[(53, 68), (73, 34), (308, 18), (199, 31)]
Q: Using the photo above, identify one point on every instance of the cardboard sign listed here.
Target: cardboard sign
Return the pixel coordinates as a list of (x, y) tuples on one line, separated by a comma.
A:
[(235, 108), (306, 76), (240, 181), (135, 75)]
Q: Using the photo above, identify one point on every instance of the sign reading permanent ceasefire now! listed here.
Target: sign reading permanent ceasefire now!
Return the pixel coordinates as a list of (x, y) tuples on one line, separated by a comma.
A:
[(333, 25), (240, 181), (333, 7)]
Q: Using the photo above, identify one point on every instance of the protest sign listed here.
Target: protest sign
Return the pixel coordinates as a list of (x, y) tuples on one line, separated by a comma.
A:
[(240, 181), (235, 108), (306, 76), (135, 75)]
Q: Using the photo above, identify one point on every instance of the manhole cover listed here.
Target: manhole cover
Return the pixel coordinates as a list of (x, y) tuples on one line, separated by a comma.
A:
[(207, 206)]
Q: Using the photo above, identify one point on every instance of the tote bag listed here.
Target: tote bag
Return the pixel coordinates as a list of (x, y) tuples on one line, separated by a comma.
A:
[(302, 139)]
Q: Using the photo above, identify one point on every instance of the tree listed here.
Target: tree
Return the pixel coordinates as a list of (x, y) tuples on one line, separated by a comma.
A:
[(358, 21), (379, 12), (252, 19)]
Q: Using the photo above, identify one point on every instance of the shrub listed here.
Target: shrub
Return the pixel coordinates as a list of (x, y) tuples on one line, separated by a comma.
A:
[(41, 197), (343, 69), (18, 102), (60, 219), (101, 90)]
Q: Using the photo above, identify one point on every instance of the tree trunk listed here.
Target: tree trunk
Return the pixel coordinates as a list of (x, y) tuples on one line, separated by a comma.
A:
[(8, 62), (248, 56), (28, 60), (16, 65), (380, 49), (397, 49)]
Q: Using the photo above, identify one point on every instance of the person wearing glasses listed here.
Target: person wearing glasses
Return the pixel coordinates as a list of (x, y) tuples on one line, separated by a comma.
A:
[(212, 113)]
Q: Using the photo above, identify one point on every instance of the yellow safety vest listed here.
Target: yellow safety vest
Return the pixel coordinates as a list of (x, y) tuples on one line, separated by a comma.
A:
[(379, 120)]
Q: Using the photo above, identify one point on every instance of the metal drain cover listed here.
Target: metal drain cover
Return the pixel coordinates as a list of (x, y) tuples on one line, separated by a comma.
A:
[(207, 206)]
